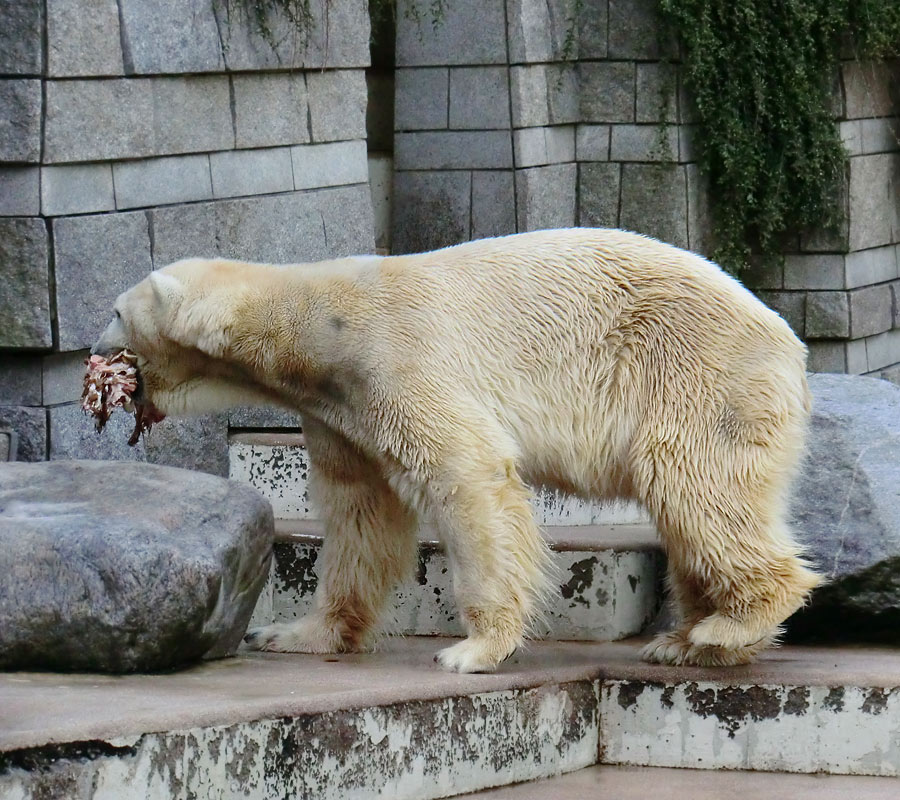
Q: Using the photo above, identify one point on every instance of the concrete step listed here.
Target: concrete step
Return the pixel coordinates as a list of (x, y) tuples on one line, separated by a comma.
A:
[(609, 579), (276, 464), (390, 724), (660, 783)]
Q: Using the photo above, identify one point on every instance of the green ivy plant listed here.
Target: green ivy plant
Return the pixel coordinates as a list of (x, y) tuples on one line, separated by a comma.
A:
[(761, 74)]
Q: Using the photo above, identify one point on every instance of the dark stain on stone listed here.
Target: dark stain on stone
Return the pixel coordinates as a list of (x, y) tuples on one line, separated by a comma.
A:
[(44, 758), (579, 601), (633, 581), (437, 591), (834, 700), (582, 578), (732, 705), (422, 572), (602, 596), (629, 692), (875, 702), (797, 702), (666, 697), (295, 567)]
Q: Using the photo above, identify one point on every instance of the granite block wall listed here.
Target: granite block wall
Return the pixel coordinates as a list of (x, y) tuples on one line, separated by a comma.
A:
[(138, 132)]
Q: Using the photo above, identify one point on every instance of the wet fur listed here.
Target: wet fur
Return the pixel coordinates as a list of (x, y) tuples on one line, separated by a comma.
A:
[(598, 361)]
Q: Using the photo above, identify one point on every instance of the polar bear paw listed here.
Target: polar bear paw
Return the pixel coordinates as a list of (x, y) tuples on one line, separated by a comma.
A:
[(309, 635), (475, 654), (676, 649)]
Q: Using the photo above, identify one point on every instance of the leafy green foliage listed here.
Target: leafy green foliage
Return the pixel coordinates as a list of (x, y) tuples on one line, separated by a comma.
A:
[(761, 74)]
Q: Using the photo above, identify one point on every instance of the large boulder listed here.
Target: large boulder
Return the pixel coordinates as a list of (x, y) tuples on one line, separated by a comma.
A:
[(121, 567), (847, 510)]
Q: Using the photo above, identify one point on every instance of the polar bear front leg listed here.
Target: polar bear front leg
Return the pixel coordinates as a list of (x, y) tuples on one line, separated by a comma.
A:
[(499, 562), (369, 546)]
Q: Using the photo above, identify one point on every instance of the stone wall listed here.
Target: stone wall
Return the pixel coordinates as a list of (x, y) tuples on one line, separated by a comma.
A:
[(137, 132), (513, 115)]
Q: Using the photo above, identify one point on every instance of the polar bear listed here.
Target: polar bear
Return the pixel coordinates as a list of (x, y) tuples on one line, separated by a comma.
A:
[(600, 362)]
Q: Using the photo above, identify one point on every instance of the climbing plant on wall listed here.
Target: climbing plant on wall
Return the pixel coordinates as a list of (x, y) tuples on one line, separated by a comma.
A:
[(761, 73)]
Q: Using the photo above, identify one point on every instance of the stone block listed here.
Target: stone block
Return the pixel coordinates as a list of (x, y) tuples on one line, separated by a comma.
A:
[(381, 184), (891, 374), (592, 142), (97, 258), (337, 104), (598, 195), (701, 237), (851, 136), (857, 357), (20, 194), (657, 93), (255, 417), (644, 143), (790, 305), (335, 164), (882, 350), (347, 216), (763, 273), (541, 31), (337, 36), (24, 290), (654, 202), (493, 204), (607, 91), (466, 32), (421, 98), (864, 267), (871, 311), (874, 192), (76, 189), (479, 98), (545, 197), (867, 89), (895, 294), (814, 271), (161, 181), (21, 37), (82, 43), (101, 120), (63, 375), (539, 146), (880, 135), (30, 425), (687, 143), (270, 109), (636, 31), (544, 94), (237, 173), (440, 150), (170, 36), (826, 357), (431, 210), (20, 380), (827, 315), (20, 122)]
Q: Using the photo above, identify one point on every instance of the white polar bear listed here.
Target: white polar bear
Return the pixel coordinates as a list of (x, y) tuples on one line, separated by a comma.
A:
[(601, 362)]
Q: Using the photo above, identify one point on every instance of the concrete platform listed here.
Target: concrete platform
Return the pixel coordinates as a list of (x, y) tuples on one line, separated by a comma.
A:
[(390, 724), (640, 783)]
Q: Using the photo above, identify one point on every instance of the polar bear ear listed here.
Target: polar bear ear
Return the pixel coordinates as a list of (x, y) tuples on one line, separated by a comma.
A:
[(165, 287)]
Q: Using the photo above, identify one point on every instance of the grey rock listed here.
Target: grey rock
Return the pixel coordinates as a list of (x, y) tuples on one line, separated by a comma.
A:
[(161, 181), (107, 119), (126, 567), (847, 509), (20, 380), (20, 194), (97, 258), (25, 288), (20, 122), (467, 32), (654, 202), (421, 98), (270, 109), (827, 315), (21, 46), (493, 203), (439, 150), (479, 98), (82, 43), (546, 197), (76, 189), (170, 36), (247, 172), (606, 91), (337, 104), (871, 311), (30, 426), (598, 196), (431, 210)]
